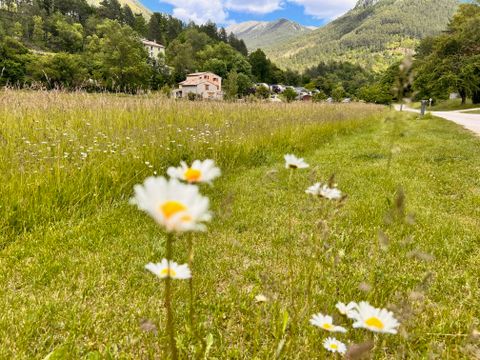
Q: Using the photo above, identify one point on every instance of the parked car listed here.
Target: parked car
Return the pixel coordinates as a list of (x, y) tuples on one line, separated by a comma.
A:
[(277, 89)]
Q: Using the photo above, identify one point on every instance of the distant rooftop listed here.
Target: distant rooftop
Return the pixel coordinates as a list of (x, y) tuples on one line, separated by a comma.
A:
[(152, 43)]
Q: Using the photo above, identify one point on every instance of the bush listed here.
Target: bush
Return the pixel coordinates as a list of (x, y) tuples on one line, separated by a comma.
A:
[(289, 94), (319, 96)]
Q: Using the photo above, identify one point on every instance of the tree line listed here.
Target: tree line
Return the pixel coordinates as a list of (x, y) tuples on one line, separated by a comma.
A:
[(71, 45)]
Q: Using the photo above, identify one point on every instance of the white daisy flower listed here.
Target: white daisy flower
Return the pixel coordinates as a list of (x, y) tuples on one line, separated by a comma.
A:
[(169, 269), (199, 172), (349, 310), (176, 206), (335, 346), (373, 319), (324, 191), (326, 323), (292, 162)]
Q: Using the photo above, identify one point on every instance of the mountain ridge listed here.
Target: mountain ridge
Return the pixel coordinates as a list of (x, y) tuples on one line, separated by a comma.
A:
[(260, 34), (136, 6), (373, 30)]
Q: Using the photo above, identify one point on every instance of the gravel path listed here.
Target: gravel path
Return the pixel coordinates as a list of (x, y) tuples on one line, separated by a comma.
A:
[(468, 121)]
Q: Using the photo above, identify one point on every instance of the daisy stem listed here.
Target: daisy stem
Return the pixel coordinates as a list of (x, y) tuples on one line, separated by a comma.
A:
[(190, 281), (168, 302), (291, 258)]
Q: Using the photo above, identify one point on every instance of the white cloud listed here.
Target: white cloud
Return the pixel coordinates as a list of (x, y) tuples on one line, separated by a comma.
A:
[(200, 11), (254, 6), (325, 9)]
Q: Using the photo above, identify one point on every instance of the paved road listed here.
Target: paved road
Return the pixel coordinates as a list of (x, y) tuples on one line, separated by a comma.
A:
[(468, 121)]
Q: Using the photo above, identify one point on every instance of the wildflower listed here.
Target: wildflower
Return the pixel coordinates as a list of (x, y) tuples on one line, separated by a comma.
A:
[(176, 206), (169, 269), (326, 323), (199, 172), (373, 319), (335, 346), (324, 191), (292, 162), (261, 298), (348, 310)]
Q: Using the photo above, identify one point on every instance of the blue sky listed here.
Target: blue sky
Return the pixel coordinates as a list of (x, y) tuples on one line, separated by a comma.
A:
[(224, 12)]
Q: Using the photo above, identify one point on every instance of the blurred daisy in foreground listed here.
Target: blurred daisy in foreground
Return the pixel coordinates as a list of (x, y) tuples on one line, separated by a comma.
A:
[(199, 172), (176, 206), (292, 162), (349, 310), (326, 323), (324, 191), (373, 319), (335, 346), (169, 269)]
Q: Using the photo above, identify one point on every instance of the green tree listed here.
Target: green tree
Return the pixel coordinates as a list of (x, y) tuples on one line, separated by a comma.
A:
[(319, 96), (60, 70), (216, 66), (338, 94), (244, 83), (18, 30), (14, 58), (64, 36), (110, 9), (450, 62), (38, 35), (262, 92), (260, 66), (140, 25), (128, 18), (118, 58), (375, 93), (289, 94), (231, 85)]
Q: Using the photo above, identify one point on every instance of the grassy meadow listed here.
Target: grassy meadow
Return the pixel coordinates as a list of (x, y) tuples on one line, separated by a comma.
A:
[(73, 251)]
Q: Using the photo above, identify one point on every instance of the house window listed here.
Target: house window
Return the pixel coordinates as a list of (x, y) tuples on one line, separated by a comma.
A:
[(207, 87)]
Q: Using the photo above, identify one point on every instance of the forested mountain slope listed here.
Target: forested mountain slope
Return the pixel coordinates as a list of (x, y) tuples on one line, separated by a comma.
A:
[(373, 34), (261, 34)]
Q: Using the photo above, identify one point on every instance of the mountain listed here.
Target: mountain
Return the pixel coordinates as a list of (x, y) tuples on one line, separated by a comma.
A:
[(261, 34), (136, 6), (373, 34)]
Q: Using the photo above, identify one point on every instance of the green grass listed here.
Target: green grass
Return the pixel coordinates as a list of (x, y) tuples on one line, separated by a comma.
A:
[(448, 105), (71, 268), (472, 112)]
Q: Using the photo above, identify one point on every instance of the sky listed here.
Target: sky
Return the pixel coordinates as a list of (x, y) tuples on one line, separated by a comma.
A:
[(225, 12)]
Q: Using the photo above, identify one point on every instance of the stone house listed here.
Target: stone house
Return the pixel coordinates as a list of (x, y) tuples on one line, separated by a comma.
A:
[(205, 85), (154, 49)]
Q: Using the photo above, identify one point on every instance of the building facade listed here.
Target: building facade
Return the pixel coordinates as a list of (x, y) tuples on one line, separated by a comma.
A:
[(204, 85), (154, 49)]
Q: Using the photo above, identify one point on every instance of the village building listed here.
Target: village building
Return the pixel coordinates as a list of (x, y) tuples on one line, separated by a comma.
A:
[(154, 49), (204, 85)]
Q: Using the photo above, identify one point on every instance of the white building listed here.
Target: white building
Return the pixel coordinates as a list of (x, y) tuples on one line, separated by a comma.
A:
[(206, 85), (154, 49)]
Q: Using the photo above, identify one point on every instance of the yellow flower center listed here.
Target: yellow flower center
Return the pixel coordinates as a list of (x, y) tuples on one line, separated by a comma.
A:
[(375, 323), (168, 272), (327, 326), (192, 175), (171, 208), (334, 346)]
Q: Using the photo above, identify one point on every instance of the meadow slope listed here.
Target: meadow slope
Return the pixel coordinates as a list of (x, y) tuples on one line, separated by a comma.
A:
[(73, 250)]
